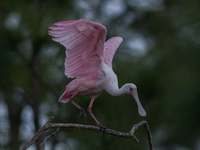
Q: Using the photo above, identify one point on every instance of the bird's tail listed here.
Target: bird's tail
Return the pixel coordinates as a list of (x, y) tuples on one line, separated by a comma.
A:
[(65, 97)]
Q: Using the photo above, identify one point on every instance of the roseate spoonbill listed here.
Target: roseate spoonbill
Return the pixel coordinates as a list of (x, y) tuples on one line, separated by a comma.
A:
[(89, 60)]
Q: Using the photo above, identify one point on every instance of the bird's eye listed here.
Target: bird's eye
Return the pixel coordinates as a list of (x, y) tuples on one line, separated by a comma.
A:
[(131, 89)]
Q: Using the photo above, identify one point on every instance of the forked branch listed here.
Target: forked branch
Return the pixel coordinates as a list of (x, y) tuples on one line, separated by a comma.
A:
[(49, 125)]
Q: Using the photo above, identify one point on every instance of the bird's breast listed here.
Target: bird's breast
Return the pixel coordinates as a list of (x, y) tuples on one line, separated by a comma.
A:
[(110, 84)]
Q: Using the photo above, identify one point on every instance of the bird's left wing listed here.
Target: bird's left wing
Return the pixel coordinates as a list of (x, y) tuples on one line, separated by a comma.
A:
[(84, 42), (110, 48)]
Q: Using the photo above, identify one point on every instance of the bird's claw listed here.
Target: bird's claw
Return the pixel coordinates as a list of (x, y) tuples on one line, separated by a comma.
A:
[(103, 129), (83, 114)]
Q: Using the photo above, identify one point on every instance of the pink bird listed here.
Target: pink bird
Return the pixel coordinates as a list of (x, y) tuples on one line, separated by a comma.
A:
[(89, 61)]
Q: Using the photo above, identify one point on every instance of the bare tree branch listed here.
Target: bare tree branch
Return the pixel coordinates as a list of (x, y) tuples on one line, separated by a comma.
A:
[(135, 127), (37, 135), (42, 147), (49, 125)]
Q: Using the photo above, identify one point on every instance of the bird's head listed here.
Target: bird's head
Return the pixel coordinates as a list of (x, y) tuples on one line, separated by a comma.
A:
[(133, 91)]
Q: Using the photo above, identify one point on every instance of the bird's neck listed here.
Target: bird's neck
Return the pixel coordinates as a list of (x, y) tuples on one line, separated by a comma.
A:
[(125, 89), (119, 91)]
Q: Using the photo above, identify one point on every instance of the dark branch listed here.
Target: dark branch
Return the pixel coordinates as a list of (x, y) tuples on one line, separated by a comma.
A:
[(49, 124), (135, 127), (37, 135), (42, 147), (96, 128)]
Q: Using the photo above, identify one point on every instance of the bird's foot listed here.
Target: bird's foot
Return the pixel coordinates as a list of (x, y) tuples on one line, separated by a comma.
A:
[(103, 129), (83, 114)]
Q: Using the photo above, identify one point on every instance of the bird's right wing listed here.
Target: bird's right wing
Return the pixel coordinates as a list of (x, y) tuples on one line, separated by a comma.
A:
[(84, 41), (110, 48)]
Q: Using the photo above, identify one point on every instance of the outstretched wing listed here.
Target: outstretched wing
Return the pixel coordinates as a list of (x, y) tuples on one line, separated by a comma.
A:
[(84, 42), (110, 48)]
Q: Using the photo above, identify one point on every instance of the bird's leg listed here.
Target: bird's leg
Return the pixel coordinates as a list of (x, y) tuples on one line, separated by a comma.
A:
[(82, 111), (102, 128)]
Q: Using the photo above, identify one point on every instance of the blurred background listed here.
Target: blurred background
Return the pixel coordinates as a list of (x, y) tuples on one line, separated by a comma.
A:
[(160, 54)]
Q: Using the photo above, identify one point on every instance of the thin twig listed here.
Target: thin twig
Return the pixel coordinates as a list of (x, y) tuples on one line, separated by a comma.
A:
[(149, 135), (42, 147), (49, 124), (135, 127), (37, 134)]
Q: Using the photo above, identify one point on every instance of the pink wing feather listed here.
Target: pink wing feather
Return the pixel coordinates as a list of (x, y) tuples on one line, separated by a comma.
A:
[(110, 48), (84, 43)]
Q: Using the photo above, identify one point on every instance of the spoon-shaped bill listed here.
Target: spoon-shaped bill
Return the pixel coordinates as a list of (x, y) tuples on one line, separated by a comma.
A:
[(141, 110)]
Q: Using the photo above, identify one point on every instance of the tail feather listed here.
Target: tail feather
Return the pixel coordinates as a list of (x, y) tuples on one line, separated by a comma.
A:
[(65, 97)]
